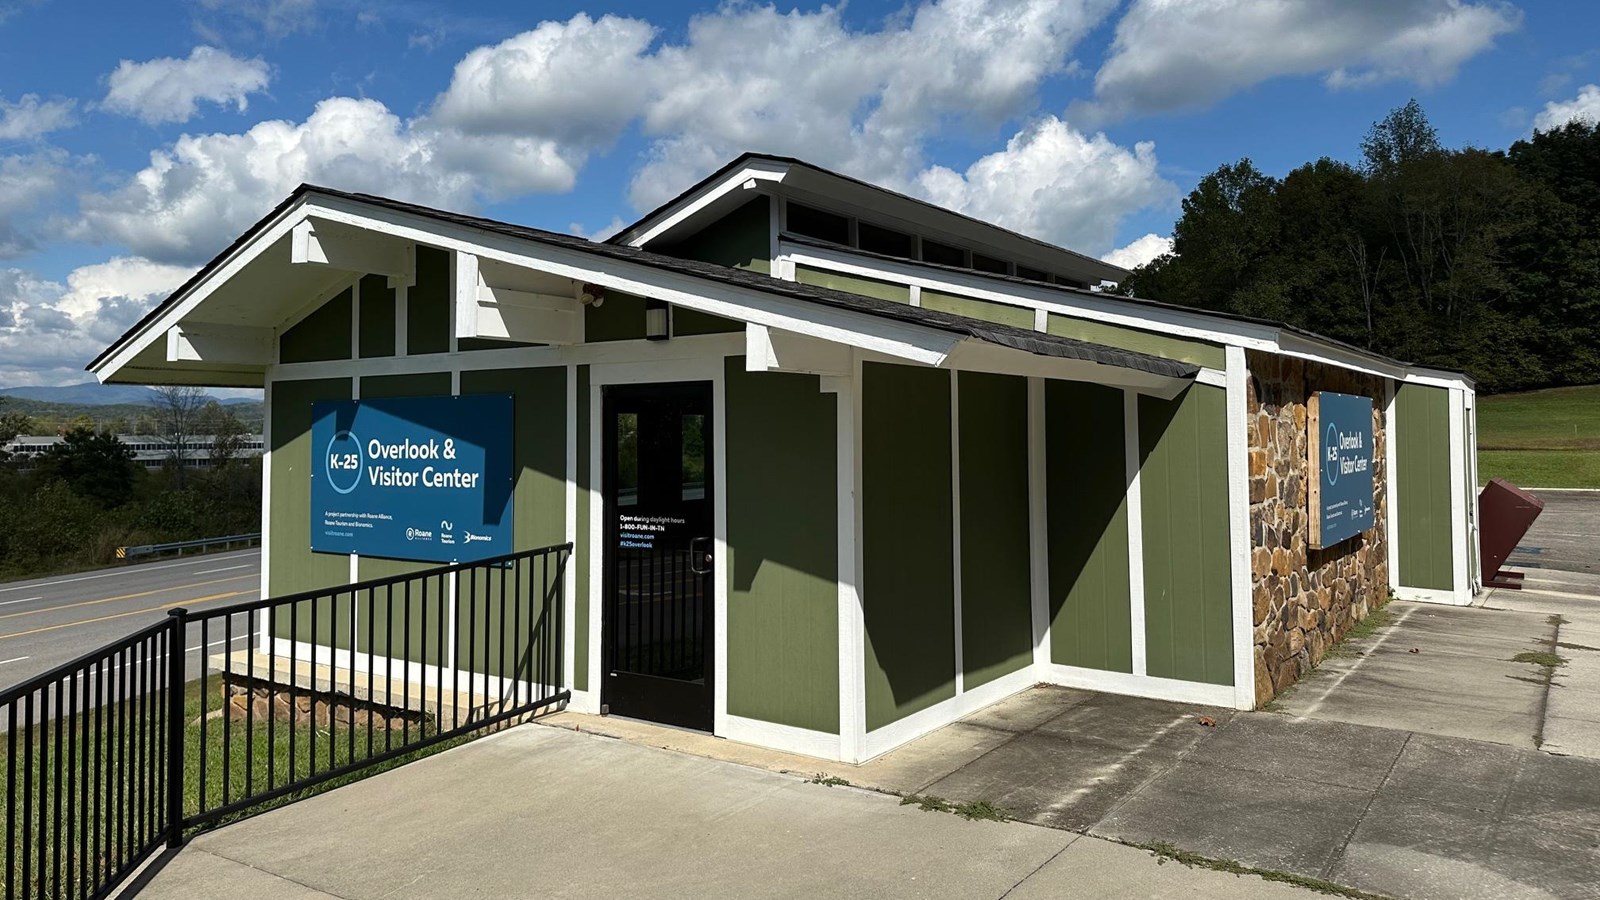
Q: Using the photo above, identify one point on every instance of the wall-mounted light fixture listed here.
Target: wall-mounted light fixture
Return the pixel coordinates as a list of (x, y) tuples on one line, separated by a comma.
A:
[(657, 320)]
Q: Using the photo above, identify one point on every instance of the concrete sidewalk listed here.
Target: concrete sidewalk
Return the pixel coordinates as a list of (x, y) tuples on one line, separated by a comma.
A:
[(546, 812)]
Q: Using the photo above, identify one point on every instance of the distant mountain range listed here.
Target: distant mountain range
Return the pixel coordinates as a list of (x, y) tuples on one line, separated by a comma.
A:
[(92, 393)]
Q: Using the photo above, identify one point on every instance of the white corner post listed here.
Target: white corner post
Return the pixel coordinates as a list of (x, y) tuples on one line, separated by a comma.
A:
[(1238, 438), (852, 625), (1135, 500), (1391, 478), (1038, 524)]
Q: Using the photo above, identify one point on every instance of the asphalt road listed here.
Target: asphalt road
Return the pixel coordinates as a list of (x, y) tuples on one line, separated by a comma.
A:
[(1565, 537), (48, 621)]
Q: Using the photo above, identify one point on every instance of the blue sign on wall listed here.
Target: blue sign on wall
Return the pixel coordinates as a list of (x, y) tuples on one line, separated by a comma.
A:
[(425, 478), (1341, 460)]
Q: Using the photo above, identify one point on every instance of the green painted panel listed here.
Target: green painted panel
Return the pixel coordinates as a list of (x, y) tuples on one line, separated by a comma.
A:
[(869, 287), (428, 303), (686, 322), (376, 330), (972, 308), (539, 502), (1200, 353), (619, 318), (323, 335), (1422, 471), (580, 552), (996, 593), (741, 239), (1086, 495), (1188, 590), (291, 566), (908, 595), (783, 550)]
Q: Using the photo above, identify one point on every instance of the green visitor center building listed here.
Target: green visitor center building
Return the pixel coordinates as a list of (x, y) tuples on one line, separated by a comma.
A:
[(859, 464)]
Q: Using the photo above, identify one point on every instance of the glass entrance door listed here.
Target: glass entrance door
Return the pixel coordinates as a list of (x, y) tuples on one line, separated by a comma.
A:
[(657, 618)]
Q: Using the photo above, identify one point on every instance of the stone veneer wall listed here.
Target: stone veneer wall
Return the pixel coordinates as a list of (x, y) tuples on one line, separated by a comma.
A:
[(1305, 600)]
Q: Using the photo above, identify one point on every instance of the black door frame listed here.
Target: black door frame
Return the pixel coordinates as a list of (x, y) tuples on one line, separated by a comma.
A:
[(662, 700)]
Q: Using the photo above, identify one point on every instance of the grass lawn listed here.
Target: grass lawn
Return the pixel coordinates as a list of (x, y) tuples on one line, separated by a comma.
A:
[(1547, 438), (242, 763)]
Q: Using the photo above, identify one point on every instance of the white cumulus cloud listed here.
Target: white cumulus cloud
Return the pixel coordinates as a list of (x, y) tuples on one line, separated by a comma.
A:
[(30, 118), (1139, 251), (170, 89), (1583, 108), (192, 197), (50, 330), (30, 184), (1173, 54), (1056, 183)]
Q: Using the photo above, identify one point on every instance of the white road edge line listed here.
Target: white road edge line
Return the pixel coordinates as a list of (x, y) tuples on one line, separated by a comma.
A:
[(23, 600), (14, 659), (126, 571), (223, 569)]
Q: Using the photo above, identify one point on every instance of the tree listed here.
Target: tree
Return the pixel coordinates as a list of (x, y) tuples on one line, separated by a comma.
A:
[(177, 419), (94, 464), (226, 431), (12, 423), (1404, 135)]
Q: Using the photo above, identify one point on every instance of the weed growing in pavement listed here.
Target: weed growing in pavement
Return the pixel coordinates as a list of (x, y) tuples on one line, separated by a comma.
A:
[(1164, 850), (1542, 658), (828, 780), (972, 811)]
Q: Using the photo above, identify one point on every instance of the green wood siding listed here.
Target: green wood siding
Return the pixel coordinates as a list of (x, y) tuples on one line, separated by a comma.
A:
[(323, 335), (428, 303), (581, 548), (783, 550), (490, 601), (741, 239), (687, 322), (1422, 470), (1187, 583), (1003, 313), (376, 329), (619, 318), (996, 596), (1086, 494), (291, 566), (908, 597), (1200, 353), (869, 287)]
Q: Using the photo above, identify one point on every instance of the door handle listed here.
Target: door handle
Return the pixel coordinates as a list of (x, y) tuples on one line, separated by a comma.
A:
[(700, 554)]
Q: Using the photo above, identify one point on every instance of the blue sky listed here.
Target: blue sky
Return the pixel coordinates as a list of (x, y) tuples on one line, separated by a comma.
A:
[(138, 139)]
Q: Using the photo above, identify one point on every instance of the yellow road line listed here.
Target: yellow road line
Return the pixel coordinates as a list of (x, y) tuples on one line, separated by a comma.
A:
[(136, 612), (165, 590)]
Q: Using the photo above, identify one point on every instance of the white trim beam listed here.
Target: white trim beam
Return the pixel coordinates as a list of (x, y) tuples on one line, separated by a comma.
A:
[(351, 250), (234, 345)]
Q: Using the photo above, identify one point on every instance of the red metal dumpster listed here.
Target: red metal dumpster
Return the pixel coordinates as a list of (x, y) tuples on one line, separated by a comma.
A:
[(1505, 513)]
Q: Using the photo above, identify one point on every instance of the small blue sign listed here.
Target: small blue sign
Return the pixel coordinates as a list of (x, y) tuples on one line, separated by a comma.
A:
[(424, 478), (1343, 466)]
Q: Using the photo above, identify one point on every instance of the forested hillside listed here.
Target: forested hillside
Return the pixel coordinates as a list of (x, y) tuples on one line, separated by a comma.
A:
[(1482, 260)]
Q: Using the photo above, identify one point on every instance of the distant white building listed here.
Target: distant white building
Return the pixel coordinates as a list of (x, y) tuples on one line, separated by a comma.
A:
[(149, 450)]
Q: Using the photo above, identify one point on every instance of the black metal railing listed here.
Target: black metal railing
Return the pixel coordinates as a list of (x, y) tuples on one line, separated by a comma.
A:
[(218, 713)]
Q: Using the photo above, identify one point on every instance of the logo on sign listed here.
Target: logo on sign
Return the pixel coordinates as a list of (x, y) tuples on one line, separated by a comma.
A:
[(1331, 452), (342, 462)]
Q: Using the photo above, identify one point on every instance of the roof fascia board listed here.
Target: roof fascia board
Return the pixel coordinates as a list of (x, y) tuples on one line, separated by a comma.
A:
[(156, 329), (1179, 323), (758, 171), (1439, 378), (1303, 347), (859, 329), (981, 356)]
